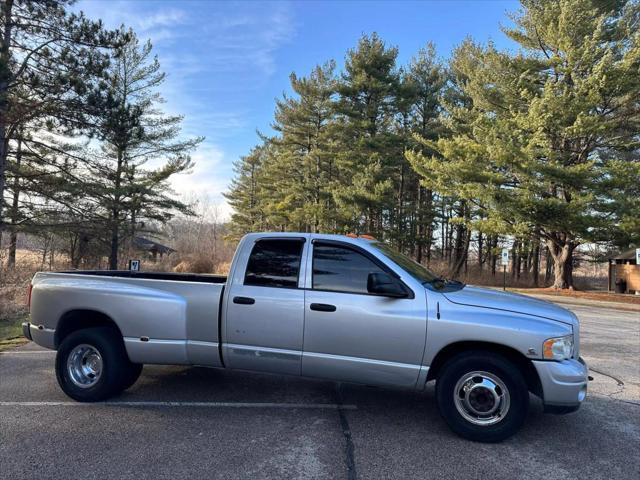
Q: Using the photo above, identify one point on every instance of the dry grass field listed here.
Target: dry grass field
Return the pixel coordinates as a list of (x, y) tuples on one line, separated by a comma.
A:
[(13, 296)]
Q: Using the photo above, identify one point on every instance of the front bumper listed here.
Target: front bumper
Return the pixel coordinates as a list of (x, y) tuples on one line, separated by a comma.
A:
[(45, 337), (564, 384), (26, 331)]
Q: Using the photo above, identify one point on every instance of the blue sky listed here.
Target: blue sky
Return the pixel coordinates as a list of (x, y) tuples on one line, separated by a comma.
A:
[(226, 62)]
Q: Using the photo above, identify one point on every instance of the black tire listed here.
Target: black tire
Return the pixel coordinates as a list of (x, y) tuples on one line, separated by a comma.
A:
[(115, 365), (459, 368), (131, 375)]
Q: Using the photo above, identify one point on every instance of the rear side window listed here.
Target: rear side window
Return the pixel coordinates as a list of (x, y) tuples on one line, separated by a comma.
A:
[(341, 269), (274, 263)]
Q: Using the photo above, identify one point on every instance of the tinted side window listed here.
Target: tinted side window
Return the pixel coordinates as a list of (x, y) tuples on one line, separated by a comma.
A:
[(341, 269), (274, 263)]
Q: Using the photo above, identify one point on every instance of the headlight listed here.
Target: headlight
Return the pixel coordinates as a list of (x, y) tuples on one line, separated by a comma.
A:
[(559, 348)]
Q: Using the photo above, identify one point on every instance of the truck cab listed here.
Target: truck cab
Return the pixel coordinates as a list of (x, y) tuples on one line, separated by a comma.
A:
[(324, 306)]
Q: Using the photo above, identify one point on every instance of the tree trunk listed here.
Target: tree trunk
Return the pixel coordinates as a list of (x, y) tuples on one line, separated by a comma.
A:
[(535, 271), (115, 241), (430, 219), (493, 256), (419, 226), (548, 266), (562, 254), (399, 219), (461, 257), (115, 215), (5, 77), (514, 261), (13, 238)]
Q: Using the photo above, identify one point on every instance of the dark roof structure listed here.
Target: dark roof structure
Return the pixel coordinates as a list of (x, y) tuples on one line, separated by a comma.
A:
[(151, 246), (626, 255)]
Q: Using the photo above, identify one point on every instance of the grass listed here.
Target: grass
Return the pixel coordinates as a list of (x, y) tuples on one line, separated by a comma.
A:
[(11, 332)]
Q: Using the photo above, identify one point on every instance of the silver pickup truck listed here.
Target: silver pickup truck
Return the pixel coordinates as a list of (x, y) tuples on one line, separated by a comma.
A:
[(344, 308)]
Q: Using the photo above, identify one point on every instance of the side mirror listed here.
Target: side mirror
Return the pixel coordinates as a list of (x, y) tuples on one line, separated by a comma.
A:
[(385, 285)]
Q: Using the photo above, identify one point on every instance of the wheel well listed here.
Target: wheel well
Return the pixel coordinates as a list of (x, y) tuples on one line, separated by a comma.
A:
[(80, 319), (523, 363)]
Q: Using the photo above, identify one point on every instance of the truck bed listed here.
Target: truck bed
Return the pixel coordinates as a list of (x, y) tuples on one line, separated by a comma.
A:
[(169, 318)]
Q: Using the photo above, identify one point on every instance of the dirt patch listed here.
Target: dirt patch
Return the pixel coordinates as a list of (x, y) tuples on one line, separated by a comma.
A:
[(12, 343)]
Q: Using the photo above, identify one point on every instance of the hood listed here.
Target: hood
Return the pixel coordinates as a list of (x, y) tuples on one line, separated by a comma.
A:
[(511, 302)]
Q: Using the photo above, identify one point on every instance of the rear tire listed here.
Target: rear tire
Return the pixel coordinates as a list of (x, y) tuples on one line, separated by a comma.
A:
[(131, 375), (92, 365), (482, 396)]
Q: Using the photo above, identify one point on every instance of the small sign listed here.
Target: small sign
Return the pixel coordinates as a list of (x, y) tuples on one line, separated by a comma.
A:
[(134, 265), (505, 257), (637, 256)]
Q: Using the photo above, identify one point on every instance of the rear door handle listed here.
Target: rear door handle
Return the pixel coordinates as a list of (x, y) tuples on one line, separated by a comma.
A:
[(244, 300), (322, 307)]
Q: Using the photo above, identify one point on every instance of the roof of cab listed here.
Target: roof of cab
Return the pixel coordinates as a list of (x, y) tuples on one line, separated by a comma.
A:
[(322, 236)]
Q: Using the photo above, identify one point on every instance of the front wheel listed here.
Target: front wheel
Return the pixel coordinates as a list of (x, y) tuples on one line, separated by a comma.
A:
[(482, 396), (92, 365)]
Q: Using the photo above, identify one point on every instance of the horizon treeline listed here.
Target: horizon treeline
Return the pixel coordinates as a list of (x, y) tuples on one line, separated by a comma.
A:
[(538, 147), (86, 151)]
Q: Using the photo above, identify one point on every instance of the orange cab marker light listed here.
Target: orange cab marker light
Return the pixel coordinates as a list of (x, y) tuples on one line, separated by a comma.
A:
[(351, 235), (29, 296), (367, 237)]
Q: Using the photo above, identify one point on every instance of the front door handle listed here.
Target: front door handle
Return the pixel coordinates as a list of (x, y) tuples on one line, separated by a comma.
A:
[(322, 307), (244, 300)]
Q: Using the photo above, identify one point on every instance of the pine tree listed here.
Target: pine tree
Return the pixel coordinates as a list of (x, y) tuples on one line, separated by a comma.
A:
[(244, 194), (133, 132), (429, 80), (370, 154), (302, 162), (49, 58)]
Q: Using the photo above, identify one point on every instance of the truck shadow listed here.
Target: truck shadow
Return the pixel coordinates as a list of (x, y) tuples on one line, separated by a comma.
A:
[(200, 384), (408, 416)]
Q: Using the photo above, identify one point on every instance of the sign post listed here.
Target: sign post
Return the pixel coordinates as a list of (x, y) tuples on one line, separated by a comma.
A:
[(505, 262)]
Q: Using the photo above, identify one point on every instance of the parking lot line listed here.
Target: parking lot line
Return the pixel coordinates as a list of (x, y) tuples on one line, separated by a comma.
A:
[(26, 352), (317, 406)]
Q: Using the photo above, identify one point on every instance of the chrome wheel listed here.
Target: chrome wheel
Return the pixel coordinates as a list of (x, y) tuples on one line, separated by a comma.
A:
[(481, 398), (84, 365)]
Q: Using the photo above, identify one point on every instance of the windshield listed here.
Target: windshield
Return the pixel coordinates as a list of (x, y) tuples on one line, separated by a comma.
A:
[(417, 271)]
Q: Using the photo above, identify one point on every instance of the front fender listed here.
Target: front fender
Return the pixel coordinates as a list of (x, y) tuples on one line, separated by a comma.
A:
[(452, 323)]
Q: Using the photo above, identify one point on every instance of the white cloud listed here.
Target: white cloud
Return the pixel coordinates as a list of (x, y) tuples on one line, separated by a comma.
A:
[(205, 179), (249, 40), (164, 18)]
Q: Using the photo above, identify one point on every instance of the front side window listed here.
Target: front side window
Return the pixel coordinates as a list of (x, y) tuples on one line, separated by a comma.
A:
[(341, 269), (416, 270), (274, 263)]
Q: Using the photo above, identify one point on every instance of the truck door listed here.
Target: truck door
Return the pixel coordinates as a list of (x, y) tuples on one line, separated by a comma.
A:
[(265, 309), (355, 336)]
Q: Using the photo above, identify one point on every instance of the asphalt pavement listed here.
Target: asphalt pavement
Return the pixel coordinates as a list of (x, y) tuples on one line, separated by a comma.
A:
[(195, 423)]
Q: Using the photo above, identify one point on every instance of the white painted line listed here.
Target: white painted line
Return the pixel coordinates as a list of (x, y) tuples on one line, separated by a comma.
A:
[(26, 352), (318, 406)]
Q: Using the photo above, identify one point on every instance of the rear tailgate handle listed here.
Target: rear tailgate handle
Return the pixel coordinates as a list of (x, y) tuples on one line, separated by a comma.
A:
[(244, 300), (322, 307)]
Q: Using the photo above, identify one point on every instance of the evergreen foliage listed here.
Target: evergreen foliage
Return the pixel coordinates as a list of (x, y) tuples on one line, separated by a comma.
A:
[(546, 141)]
